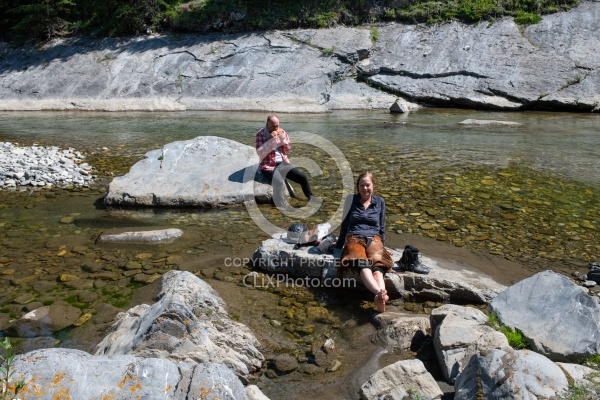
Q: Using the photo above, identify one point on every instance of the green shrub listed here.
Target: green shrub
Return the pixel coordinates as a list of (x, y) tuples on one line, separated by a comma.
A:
[(389, 14), (516, 339), (594, 359), (493, 321), (27, 19), (328, 51), (38, 19), (524, 11), (324, 20), (527, 18), (132, 17), (374, 34), (476, 10), (9, 389)]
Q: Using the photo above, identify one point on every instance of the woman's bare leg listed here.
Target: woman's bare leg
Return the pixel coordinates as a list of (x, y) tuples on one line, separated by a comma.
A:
[(373, 281)]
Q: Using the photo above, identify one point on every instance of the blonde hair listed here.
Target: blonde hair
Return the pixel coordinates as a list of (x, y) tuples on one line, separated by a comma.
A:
[(365, 174)]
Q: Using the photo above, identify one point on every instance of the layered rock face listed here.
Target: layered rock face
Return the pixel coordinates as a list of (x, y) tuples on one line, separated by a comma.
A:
[(553, 64)]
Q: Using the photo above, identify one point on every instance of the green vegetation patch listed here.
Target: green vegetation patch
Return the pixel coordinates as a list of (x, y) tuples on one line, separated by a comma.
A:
[(594, 360), (120, 303), (524, 11), (527, 18), (22, 20), (74, 301), (117, 298), (328, 52), (515, 337), (374, 34)]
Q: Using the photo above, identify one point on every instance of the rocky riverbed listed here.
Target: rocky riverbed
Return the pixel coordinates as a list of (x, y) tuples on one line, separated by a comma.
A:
[(189, 325), (50, 254)]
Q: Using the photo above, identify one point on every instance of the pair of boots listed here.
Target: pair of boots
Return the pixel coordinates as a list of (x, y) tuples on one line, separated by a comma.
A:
[(410, 261)]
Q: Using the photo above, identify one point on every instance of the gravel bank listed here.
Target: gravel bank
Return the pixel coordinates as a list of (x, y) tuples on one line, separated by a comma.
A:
[(42, 166)]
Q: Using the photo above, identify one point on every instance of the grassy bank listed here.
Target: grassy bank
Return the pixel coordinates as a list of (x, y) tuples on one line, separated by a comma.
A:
[(22, 20)]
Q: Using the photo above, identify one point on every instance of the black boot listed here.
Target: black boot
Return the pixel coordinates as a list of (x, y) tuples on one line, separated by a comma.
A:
[(594, 274), (410, 261)]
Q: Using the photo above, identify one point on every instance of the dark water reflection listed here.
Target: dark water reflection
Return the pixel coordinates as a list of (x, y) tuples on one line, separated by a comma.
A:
[(528, 194)]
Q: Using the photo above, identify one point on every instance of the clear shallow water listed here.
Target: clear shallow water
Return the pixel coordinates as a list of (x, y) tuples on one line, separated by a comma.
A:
[(562, 143), (529, 194)]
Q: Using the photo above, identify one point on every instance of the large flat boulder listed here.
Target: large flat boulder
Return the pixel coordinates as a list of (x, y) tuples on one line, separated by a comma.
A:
[(447, 281), (207, 171), (558, 318)]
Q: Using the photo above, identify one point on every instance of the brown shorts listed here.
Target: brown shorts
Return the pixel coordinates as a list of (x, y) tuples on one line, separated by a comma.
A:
[(365, 252)]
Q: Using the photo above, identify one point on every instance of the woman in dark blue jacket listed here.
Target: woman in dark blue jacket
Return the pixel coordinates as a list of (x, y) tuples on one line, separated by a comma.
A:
[(362, 236)]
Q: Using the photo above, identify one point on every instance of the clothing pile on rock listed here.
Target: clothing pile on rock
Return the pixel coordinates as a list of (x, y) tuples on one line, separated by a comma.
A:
[(301, 235)]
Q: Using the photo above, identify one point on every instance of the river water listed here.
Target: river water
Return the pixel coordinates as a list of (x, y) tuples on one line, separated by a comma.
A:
[(527, 194)]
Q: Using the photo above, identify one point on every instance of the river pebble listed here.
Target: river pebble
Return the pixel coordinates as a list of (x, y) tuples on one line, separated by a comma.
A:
[(39, 166)]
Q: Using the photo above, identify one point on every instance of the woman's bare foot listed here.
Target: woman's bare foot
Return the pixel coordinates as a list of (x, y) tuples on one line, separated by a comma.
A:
[(379, 303), (380, 299)]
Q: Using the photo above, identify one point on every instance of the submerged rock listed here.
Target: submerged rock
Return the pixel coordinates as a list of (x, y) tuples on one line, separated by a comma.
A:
[(44, 321), (480, 122), (154, 236)]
